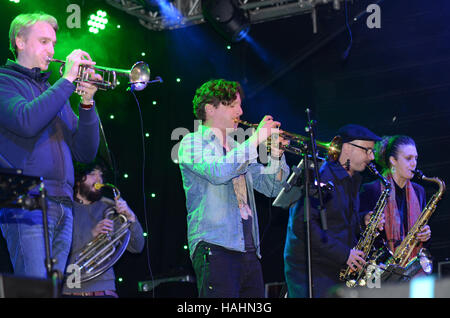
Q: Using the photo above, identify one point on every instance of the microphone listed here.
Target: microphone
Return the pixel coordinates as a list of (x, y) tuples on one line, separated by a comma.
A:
[(138, 86)]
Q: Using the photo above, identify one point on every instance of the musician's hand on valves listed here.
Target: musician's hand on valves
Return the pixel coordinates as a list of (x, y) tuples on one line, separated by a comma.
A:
[(103, 227), (123, 208), (73, 62), (355, 260), (425, 234), (265, 129), (277, 146), (87, 90)]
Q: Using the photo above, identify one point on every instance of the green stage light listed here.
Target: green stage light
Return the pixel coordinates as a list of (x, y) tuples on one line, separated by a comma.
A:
[(97, 22), (15, 1)]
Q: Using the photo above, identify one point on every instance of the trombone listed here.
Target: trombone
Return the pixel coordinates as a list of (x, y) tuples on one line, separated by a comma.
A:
[(139, 75), (297, 142)]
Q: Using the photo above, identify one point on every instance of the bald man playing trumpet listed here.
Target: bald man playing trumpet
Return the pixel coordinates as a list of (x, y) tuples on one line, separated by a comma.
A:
[(41, 135)]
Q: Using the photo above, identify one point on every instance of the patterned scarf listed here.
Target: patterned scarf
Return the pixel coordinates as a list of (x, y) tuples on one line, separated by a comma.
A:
[(240, 188), (393, 226)]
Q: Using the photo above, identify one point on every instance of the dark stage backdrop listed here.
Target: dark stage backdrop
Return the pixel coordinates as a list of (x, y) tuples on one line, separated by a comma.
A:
[(394, 81)]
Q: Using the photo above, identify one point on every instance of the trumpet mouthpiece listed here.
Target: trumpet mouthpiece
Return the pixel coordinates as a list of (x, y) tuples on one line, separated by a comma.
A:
[(98, 186)]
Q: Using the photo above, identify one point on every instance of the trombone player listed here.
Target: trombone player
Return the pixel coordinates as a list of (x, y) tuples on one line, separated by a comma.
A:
[(40, 134)]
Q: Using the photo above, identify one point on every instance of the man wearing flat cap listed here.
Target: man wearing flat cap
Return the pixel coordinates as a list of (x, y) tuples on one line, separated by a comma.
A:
[(331, 250)]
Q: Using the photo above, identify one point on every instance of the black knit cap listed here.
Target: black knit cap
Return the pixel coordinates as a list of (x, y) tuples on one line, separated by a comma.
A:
[(356, 132)]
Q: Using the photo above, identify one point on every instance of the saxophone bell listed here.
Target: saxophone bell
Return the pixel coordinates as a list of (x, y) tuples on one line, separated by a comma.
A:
[(426, 261)]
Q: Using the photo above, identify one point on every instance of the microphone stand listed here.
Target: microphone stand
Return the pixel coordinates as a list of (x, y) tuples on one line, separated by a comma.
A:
[(307, 203), (310, 129), (54, 275)]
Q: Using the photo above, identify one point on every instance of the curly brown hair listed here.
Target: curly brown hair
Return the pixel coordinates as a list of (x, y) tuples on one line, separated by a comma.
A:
[(215, 92)]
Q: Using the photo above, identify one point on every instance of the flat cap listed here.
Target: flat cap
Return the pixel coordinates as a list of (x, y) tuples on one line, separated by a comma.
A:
[(356, 132)]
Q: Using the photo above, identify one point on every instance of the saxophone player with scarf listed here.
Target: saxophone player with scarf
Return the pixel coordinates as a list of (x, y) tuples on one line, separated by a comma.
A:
[(397, 155)]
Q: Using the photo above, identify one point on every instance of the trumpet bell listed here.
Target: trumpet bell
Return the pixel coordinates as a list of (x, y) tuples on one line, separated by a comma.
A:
[(335, 148), (139, 75)]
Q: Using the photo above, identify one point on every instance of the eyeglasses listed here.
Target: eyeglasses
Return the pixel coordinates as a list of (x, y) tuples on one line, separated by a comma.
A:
[(369, 151)]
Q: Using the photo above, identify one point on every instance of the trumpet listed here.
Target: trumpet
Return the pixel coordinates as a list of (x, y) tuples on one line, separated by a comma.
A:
[(297, 142), (139, 75)]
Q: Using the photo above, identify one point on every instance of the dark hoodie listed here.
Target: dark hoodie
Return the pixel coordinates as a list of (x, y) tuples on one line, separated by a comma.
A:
[(39, 132)]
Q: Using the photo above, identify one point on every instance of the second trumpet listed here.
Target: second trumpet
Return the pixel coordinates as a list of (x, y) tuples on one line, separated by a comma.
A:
[(297, 142)]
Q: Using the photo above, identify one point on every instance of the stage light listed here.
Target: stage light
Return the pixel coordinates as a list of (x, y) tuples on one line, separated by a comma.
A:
[(185, 247), (111, 116), (147, 135), (178, 79), (15, 1), (227, 18), (125, 176), (153, 195), (97, 22), (145, 234), (154, 102), (168, 10)]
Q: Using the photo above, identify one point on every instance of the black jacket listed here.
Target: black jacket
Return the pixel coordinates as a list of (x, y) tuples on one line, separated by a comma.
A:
[(331, 248)]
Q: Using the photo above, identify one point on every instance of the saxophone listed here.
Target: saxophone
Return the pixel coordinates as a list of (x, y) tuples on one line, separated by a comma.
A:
[(409, 243), (365, 243)]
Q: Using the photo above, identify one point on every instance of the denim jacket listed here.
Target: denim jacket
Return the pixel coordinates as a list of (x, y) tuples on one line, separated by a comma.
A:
[(213, 214)]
